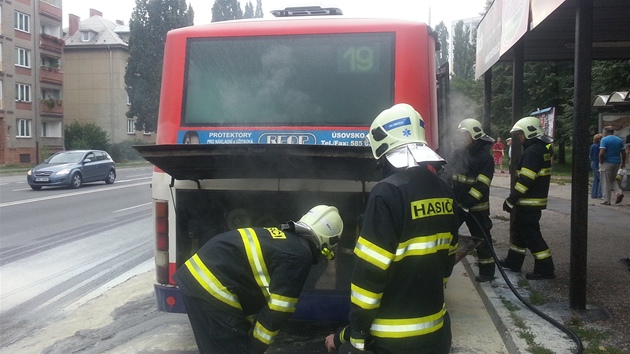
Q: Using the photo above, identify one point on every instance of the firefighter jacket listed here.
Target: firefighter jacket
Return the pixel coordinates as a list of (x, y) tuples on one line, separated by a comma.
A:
[(472, 171), (259, 271), (404, 255), (534, 175)]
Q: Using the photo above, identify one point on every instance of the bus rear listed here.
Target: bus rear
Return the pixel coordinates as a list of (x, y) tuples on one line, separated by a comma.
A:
[(260, 120)]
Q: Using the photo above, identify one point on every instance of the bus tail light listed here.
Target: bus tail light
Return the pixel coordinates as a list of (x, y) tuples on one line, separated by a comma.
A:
[(161, 241)]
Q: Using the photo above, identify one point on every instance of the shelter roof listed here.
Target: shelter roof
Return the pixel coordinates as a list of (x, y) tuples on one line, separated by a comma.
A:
[(551, 36), (554, 38)]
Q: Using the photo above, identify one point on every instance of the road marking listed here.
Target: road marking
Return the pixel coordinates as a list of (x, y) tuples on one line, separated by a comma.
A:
[(133, 179), (32, 200), (117, 181), (133, 207)]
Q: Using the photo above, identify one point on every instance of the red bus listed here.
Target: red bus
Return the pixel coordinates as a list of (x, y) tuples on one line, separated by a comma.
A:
[(262, 119)]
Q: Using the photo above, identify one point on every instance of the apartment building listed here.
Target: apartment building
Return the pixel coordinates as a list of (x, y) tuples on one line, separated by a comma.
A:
[(95, 59), (31, 80)]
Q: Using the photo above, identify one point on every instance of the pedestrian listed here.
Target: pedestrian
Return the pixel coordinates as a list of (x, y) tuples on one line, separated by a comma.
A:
[(596, 190), (471, 169), (527, 199), (406, 248), (497, 150), (612, 156), (243, 284)]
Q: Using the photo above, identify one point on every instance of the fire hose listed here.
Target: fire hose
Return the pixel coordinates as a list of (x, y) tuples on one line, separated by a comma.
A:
[(560, 326)]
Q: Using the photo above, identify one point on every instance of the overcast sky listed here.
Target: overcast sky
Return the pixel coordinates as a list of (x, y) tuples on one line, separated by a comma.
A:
[(440, 10)]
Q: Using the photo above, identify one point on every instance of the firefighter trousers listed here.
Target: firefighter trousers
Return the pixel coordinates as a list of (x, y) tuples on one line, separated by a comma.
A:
[(217, 331), (479, 224), (526, 235)]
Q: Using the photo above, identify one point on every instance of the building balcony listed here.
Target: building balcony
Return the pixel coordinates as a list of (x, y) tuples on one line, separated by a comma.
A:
[(50, 75), (51, 43), (49, 10), (51, 108)]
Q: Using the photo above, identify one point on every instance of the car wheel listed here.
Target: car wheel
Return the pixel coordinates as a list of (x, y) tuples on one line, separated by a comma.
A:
[(76, 181), (111, 177), (36, 188)]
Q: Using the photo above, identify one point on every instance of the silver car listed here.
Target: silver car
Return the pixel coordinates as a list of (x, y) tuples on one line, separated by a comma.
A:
[(73, 168)]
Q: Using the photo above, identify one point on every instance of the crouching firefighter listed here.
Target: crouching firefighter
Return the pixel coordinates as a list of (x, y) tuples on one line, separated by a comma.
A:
[(243, 284), (406, 248), (470, 170)]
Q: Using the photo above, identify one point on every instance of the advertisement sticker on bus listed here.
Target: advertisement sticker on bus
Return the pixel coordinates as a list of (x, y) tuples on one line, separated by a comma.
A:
[(302, 137)]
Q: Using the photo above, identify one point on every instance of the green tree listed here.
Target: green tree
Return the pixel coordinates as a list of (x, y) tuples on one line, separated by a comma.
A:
[(249, 10), (442, 35), (150, 21), (463, 52), (258, 13), (79, 135), (224, 10)]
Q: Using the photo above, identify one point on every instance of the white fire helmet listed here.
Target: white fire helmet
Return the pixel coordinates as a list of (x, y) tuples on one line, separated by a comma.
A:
[(531, 128), (322, 224), (398, 134), (474, 128)]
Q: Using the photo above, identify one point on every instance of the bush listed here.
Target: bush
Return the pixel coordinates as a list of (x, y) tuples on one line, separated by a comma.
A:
[(124, 151), (85, 136)]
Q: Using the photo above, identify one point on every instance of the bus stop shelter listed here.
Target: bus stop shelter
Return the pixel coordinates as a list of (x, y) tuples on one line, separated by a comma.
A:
[(517, 31)]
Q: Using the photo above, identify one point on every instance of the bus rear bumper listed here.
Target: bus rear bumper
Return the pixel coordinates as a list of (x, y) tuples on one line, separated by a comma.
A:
[(312, 305), (169, 299)]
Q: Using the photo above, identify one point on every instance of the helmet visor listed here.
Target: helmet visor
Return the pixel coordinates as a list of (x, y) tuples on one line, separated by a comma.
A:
[(411, 155), (485, 137)]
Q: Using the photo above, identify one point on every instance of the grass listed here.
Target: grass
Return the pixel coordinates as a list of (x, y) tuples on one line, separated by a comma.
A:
[(524, 331), (522, 282), (537, 298), (592, 339)]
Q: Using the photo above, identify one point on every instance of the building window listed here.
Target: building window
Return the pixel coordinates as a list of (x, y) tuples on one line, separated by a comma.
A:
[(22, 22), (86, 36), (131, 126), (23, 92), (51, 129), (24, 128), (22, 57)]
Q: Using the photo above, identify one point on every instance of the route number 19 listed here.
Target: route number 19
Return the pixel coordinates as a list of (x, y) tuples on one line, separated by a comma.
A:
[(359, 59)]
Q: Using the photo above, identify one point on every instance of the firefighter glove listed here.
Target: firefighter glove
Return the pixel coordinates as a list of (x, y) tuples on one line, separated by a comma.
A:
[(508, 205)]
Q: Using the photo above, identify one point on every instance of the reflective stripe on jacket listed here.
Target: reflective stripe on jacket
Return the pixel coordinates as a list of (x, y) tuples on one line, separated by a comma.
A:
[(534, 176), (472, 170), (259, 271), (404, 255)]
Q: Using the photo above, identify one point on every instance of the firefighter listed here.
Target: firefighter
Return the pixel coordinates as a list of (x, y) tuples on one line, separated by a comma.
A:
[(528, 197), (406, 248), (471, 169), (243, 284)]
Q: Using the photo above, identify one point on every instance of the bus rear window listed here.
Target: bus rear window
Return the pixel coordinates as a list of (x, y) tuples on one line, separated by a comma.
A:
[(298, 80)]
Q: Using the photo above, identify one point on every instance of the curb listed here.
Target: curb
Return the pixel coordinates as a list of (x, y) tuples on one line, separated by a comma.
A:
[(498, 321)]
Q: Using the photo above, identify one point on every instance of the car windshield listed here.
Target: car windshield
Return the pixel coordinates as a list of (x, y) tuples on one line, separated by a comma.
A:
[(67, 157)]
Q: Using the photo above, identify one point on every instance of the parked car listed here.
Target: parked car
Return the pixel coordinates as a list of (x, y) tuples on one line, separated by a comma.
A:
[(73, 168)]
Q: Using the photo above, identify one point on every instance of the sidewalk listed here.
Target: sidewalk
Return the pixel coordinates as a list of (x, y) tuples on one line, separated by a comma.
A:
[(508, 326), (475, 324)]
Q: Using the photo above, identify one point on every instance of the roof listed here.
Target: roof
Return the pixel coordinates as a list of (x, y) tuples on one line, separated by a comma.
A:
[(106, 33), (554, 37), (617, 99), (550, 32)]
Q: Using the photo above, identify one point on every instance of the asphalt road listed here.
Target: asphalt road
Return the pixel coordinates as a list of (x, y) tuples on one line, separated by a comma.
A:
[(60, 247)]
